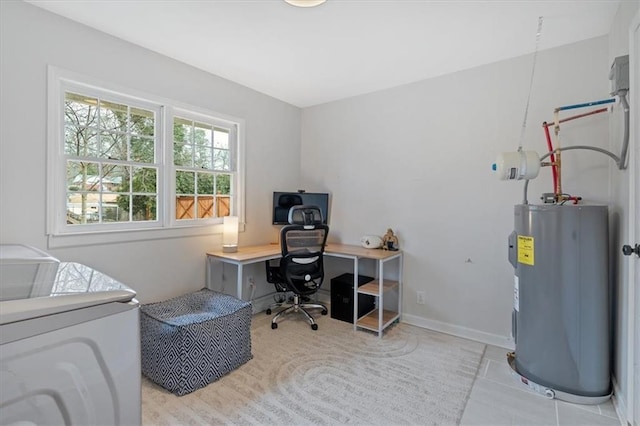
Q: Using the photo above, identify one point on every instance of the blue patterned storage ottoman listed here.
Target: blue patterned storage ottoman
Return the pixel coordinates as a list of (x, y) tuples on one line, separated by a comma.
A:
[(193, 340)]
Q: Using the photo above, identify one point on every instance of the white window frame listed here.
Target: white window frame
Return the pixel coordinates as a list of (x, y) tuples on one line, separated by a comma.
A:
[(166, 226), (234, 130)]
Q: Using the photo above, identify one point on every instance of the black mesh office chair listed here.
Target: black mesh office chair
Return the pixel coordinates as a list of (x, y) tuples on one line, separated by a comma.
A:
[(300, 270)]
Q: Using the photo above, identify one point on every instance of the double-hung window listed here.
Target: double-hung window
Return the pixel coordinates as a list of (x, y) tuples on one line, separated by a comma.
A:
[(110, 160), (121, 161), (203, 158)]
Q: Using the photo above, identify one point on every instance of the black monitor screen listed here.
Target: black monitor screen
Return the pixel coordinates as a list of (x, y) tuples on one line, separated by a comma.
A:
[(283, 201)]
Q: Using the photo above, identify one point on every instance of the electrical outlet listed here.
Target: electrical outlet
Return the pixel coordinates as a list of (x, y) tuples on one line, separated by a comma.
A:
[(250, 281), (420, 297)]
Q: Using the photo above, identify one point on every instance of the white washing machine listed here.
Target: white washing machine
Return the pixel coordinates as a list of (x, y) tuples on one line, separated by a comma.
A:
[(69, 343)]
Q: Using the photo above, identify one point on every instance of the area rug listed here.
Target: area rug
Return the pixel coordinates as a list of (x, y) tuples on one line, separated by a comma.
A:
[(335, 375)]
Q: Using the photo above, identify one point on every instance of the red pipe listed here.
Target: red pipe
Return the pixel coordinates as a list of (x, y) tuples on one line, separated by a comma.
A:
[(552, 157), (573, 117)]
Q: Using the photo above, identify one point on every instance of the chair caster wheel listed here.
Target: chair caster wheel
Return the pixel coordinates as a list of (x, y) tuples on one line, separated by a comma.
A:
[(324, 312), (274, 325), (268, 311), (314, 326)]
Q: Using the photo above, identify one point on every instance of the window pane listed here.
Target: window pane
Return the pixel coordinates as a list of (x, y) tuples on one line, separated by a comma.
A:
[(185, 182), (113, 145), (221, 160), (82, 208), (182, 154), (144, 208), (202, 158), (142, 150), (115, 178), (223, 205), (221, 138), (83, 176), (223, 184), (80, 141), (74, 208), (185, 207), (113, 117), (144, 180), (202, 134), (123, 211), (93, 213), (181, 130), (205, 206), (80, 110), (112, 212), (205, 183), (142, 122)]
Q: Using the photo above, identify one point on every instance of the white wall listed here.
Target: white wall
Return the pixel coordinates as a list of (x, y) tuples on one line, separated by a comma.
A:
[(417, 158), (31, 39), (619, 209)]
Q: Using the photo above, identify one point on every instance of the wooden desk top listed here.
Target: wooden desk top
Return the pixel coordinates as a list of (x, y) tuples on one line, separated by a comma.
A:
[(359, 251), (248, 254), (272, 251)]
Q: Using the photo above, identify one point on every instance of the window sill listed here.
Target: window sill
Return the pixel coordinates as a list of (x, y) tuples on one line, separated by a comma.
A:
[(126, 236)]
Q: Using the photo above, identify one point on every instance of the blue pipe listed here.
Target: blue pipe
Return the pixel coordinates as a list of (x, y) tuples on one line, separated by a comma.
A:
[(588, 104)]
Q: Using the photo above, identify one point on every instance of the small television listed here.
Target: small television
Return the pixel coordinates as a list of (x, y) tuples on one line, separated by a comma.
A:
[(283, 201)]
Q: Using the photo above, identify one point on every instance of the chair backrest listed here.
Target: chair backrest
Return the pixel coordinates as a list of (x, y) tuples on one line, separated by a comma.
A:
[(285, 202), (302, 243)]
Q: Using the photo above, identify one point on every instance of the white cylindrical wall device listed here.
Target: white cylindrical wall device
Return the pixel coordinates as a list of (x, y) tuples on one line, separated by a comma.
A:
[(517, 165), (230, 234)]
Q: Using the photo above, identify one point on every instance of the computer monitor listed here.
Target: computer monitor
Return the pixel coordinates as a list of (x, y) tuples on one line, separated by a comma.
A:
[(283, 201)]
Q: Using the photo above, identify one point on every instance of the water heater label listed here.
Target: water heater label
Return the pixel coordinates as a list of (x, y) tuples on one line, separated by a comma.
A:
[(525, 250)]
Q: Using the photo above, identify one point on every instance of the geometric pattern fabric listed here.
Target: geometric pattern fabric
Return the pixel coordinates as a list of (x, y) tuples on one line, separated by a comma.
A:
[(193, 340)]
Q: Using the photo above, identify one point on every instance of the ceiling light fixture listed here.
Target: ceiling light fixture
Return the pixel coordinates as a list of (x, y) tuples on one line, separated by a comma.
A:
[(305, 3)]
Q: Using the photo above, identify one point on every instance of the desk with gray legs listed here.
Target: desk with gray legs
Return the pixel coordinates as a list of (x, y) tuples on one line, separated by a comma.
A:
[(376, 320)]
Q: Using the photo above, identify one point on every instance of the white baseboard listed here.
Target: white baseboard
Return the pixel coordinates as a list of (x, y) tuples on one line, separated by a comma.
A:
[(324, 296), (618, 402), (464, 332)]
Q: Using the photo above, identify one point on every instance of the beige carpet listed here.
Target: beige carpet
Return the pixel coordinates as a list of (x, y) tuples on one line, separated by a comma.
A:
[(330, 376)]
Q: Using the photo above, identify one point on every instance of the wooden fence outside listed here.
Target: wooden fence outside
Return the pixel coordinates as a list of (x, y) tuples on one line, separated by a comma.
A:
[(185, 206)]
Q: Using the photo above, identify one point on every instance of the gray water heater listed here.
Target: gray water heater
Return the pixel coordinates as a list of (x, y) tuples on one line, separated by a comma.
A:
[(561, 316)]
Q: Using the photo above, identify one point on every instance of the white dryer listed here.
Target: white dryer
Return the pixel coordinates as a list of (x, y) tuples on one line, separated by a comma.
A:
[(69, 345)]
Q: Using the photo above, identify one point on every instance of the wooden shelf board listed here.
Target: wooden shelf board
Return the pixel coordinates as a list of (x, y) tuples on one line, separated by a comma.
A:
[(373, 287), (370, 321)]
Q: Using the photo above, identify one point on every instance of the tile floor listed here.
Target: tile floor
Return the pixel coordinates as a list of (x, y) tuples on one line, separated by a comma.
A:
[(498, 398)]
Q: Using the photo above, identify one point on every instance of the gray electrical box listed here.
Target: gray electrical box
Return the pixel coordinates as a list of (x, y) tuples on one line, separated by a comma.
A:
[(619, 74)]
